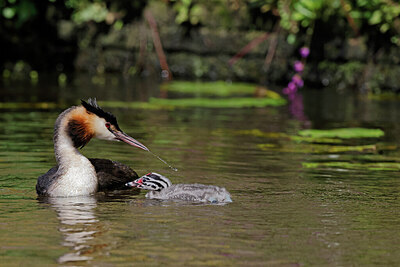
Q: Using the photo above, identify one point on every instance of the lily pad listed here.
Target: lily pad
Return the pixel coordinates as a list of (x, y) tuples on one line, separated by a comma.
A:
[(163, 103), (244, 102), (219, 88), (344, 133)]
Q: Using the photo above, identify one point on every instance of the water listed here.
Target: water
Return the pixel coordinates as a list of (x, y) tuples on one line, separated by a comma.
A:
[(163, 161), (282, 214)]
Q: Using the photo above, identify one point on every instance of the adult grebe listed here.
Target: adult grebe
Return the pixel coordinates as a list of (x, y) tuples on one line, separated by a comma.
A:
[(76, 175), (162, 188)]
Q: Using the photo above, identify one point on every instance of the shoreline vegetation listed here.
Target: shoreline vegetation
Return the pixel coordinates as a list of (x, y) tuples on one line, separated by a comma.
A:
[(241, 41)]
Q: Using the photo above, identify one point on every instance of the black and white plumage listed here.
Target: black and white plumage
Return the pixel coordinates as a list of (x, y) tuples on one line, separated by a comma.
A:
[(76, 175), (161, 188)]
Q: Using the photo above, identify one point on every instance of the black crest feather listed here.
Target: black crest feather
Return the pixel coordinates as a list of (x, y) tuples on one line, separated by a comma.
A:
[(92, 106)]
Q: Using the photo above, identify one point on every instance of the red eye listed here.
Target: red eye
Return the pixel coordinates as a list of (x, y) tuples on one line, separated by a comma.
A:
[(108, 125)]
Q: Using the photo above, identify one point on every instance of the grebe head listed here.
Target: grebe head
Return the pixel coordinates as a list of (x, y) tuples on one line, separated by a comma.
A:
[(89, 120), (151, 181)]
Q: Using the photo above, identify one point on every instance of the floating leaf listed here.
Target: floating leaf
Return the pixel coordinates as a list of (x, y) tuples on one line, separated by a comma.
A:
[(219, 88), (162, 103), (245, 102), (344, 133)]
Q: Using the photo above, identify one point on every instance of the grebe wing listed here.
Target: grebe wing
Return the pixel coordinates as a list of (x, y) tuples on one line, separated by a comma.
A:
[(44, 181), (112, 175)]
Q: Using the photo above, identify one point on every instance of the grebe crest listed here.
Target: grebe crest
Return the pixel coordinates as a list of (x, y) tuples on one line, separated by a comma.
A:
[(76, 175)]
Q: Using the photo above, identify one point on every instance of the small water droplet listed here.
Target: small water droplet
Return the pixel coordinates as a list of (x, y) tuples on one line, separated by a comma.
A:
[(166, 163)]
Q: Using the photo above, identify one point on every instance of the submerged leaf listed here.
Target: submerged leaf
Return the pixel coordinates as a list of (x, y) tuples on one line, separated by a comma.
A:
[(259, 133), (296, 138), (317, 148), (371, 166)]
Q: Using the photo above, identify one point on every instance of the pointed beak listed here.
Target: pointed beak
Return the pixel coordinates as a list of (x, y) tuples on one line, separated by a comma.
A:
[(131, 184), (135, 183), (129, 140)]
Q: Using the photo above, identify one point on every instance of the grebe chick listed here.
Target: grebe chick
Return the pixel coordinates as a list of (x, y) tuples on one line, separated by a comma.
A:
[(76, 175), (161, 188)]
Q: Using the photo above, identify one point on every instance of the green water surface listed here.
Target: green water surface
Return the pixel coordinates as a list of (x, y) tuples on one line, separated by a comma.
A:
[(292, 205)]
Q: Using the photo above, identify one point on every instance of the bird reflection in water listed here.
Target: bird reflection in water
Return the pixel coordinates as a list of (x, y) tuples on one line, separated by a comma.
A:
[(79, 225)]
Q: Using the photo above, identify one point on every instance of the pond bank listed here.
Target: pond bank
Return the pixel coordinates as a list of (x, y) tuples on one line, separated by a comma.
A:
[(213, 53), (206, 53)]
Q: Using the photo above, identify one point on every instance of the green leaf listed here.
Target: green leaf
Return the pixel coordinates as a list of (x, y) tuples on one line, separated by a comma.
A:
[(344, 133), (93, 11), (162, 103), (26, 10), (297, 16), (183, 14), (374, 166), (248, 102), (317, 148), (384, 27), (9, 12), (218, 88), (356, 14), (376, 17), (118, 25), (304, 11), (291, 39)]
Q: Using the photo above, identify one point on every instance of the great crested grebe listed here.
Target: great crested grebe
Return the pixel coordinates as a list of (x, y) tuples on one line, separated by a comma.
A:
[(161, 188), (76, 175)]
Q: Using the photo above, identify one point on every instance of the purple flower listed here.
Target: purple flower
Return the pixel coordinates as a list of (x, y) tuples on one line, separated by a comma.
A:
[(304, 52), (292, 86), (298, 81), (298, 66), (290, 89), (286, 90)]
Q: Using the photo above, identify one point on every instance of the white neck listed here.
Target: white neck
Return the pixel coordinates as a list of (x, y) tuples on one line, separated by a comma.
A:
[(76, 176)]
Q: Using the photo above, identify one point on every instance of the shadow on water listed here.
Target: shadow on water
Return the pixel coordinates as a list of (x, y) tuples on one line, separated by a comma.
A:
[(106, 87)]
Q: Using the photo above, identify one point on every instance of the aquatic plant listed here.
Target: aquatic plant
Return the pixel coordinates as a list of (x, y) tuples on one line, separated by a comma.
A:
[(361, 166), (320, 141), (317, 148), (296, 100), (284, 136), (218, 88), (232, 102), (243, 102), (297, 81), (343, 133)]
